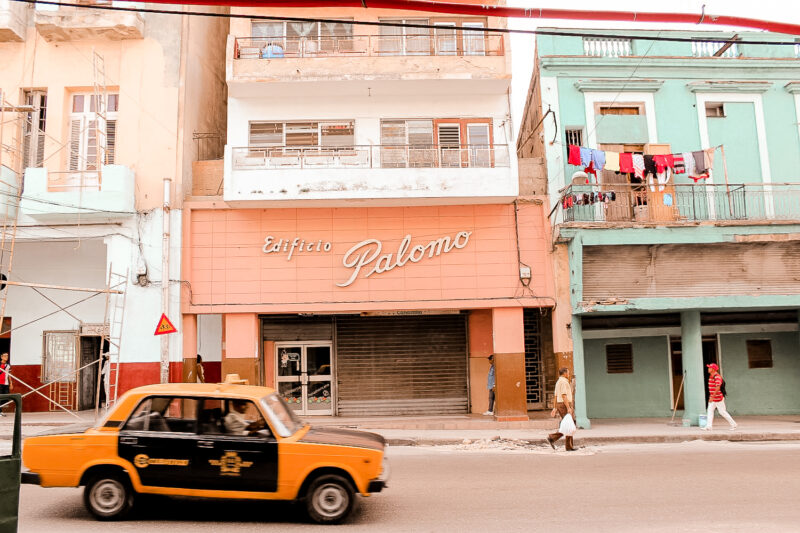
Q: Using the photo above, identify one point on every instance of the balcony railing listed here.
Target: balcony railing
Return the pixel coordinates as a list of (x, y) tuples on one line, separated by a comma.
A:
[(618, 203), (371, 156), (606, 47), (73, 181), (455, 43)]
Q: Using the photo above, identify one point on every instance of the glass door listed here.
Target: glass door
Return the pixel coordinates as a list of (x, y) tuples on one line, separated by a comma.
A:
[(305, 376)]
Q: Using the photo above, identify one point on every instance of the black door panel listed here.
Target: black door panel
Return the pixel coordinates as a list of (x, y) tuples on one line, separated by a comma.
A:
[(234, 462), (161, 459)]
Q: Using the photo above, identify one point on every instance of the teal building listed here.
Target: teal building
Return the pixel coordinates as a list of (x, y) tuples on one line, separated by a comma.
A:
[(663, 277)]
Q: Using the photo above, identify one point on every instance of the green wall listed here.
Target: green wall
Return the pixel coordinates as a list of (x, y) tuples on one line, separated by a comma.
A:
[(643, 393), (762, 391)]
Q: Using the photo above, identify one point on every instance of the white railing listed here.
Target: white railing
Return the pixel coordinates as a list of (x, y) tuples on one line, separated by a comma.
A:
[(455, 43), (604, 47), (370, 156), (708, 49), (77, 180)]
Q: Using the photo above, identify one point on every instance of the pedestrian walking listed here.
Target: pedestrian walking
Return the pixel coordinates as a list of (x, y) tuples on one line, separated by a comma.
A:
[(716, 399), (563, 407), (490, 384), (5, 376)]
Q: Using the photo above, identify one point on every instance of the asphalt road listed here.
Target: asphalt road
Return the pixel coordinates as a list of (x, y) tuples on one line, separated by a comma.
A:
[(697, 486)]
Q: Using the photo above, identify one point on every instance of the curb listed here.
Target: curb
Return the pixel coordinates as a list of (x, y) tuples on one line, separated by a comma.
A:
[(600, 441)]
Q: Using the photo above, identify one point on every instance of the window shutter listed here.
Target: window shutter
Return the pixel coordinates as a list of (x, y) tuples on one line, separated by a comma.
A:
[(449, 135), (75, 144), (619, 358), (111, 141)]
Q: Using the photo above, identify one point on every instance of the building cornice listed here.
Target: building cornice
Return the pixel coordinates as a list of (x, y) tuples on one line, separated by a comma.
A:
[(678, 62), (729, 86), (618, 84), (793, 87)]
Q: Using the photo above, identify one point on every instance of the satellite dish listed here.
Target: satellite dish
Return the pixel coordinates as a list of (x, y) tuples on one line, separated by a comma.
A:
[(3, 279)]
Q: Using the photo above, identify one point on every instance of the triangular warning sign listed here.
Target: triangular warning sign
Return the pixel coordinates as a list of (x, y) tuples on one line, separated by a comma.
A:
[(164, 326)]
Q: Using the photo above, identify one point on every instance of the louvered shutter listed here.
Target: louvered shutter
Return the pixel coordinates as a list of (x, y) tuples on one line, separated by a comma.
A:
[(111, 141), (75, 144)]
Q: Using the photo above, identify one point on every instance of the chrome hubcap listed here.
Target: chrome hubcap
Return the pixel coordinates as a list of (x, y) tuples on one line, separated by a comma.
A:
[(330, 499), (108, 496)]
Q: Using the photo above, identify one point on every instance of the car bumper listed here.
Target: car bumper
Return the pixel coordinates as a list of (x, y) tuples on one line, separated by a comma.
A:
[(376, 485), (30, 478)]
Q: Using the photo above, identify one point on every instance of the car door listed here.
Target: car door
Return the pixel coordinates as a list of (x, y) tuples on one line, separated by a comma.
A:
[(228, 457), (159, 439)]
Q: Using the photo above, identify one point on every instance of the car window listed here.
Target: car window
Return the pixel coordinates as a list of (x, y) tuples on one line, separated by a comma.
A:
[(164, 414), (282, 417), (232, 417)]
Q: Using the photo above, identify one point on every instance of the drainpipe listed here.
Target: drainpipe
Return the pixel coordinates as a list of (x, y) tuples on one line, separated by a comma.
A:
[(165, 280)]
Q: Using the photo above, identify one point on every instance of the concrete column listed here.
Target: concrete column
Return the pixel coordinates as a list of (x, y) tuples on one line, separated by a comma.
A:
[(189, 348), (240, 346), (694, 397), (508, 340), (579, 371)]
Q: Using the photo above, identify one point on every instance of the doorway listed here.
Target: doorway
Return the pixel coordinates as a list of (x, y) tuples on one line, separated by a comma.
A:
[(304, 375), (710, 355)]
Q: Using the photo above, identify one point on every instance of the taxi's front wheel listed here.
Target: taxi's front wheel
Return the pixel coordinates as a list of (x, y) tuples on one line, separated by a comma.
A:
[(108, 497), (329, 499)]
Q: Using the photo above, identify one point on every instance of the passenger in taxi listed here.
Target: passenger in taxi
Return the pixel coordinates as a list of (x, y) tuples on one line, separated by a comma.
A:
[(237, 424)]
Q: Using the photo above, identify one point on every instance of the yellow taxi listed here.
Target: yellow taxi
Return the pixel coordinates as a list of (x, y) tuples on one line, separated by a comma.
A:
[(208, 441)]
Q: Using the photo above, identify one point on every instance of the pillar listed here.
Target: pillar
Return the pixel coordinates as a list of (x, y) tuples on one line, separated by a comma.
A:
[(579, 371), (189, 348), (508, 342), (694, 396), (240, 346)]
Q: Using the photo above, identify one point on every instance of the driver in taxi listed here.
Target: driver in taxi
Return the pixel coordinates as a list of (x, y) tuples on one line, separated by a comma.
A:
[(237, 424)]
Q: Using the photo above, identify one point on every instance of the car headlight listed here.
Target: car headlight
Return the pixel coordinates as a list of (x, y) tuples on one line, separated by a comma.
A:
[(385, 469)]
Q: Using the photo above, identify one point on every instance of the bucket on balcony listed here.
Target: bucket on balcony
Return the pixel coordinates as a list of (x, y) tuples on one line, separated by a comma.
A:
[(702, 421)]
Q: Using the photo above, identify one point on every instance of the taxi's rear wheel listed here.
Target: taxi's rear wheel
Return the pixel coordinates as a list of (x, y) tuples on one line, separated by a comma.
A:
[(108, 497), (329, 499)]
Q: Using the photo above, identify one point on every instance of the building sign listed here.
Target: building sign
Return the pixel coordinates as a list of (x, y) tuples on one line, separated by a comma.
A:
[(368, 255)]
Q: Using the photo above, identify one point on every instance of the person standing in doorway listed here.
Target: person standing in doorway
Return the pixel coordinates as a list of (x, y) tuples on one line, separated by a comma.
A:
[(201, 375), (716, 400), (490, 384), (563, 407), (5, 376)]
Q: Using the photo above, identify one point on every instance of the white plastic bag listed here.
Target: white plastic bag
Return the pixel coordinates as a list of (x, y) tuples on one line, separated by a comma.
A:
[(567, 426)]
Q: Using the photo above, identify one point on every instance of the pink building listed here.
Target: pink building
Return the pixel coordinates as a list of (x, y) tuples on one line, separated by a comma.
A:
[(362, 246)]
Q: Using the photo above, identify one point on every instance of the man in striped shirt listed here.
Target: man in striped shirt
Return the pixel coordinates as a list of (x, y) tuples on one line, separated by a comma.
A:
[(716, 400)]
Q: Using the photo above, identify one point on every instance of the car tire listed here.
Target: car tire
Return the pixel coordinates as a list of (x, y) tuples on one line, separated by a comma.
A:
[(330, 499), (108, 496)]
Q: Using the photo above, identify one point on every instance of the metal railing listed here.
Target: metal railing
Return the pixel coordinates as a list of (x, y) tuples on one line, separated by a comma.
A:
[(371, 156), (606, 47), (452, 43), (73, 181), (620, 203)]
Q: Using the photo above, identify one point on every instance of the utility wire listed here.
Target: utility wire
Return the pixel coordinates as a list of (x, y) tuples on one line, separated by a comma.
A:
[(720, 40)]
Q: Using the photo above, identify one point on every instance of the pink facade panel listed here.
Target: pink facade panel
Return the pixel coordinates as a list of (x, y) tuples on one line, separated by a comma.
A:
[(278, 260)]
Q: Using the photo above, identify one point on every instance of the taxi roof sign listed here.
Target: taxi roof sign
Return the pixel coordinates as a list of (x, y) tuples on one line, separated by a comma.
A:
[(164, 326)]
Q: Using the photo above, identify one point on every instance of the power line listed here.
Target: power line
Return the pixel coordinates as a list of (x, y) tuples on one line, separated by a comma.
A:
[(720, 40)]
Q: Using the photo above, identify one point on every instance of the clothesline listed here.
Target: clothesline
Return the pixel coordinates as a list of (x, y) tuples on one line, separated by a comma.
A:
[(696, 165)]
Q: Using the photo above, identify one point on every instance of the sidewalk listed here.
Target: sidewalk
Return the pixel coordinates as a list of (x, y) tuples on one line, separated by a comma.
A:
[(442, 430)]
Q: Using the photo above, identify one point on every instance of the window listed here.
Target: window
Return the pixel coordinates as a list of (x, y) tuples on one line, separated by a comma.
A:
[(574, 136), (449, 137), (414, 140), (164, 414), (333, 134), (399, 40), (612, 109), (474, 41), (306, 38), (715, 109), (59, 356), (92, 131), (606, 47), (444, 34), (759, 353), (34, 128), (231, 417), (619, 358)]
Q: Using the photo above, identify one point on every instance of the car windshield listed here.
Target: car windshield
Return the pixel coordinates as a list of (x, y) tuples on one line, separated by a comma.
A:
[(283, 419)]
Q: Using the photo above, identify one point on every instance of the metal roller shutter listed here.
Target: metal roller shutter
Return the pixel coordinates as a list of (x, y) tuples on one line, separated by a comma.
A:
[(296, 328), (690, 270), (402, 365)]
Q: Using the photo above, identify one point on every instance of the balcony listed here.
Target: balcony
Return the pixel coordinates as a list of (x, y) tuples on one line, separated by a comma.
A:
[(675, 204), (88, 195), (373, 58), (13, 20), (59, 23), (378, 173)]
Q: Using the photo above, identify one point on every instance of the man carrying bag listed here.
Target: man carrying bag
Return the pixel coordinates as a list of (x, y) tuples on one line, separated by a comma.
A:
[(564, 408)]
